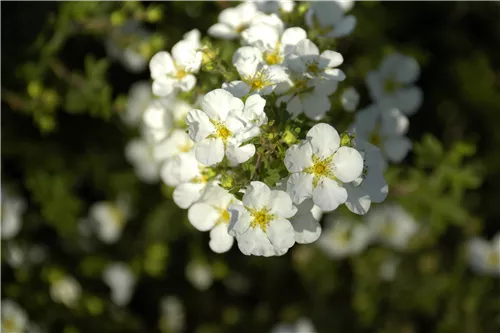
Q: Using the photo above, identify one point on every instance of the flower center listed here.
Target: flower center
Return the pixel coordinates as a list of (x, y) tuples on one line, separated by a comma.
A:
[(375, 138), (180, 74), (185, 147), (261, 218), (320, 168), (257, 82), (343, 237), (391, 85), (273, 57), (388, 230), (313, 68), (225, 217), (221, 131), (9, 325)]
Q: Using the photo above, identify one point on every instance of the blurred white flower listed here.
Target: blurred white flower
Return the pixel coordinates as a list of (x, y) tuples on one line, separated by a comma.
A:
[(128, 55), (388, 268), (12, 209), (18, 255), (350, 99), (394, 83), (172, 315), (232, 21), (14, 318), (138, 99), (328, 17), (302, 325), (108, 219), (392, 225), (121, 280), (344, 237), (200, 275), (276, 7), (163, 115), (66, 290), (140, 153), (484, 256)]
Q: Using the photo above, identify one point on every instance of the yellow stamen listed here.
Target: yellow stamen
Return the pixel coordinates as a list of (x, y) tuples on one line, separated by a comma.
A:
[(390, 85), (313, 68), (180, 74), (221, 131), (320, 168), (261, 218), (273, 57), (375, 138)]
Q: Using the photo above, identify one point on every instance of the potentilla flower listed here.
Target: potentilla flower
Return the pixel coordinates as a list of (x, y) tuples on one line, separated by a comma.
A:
[(121, 280), (173, 72), (302, 325), (13, 208), (328, 17), (319, 166), (108, 219), (394, 83), (14, 318), (210, 212), (176, 143), (344, 237), (261, 223), (392, 225), (139, 98), (304, 98), (66, 290), (350, 99), (221, 128), (371, 185), (274, 43), (256, 76), (484, 256), (384, 127), (232, 21), (163, 115), (140, 153), (200, 275)]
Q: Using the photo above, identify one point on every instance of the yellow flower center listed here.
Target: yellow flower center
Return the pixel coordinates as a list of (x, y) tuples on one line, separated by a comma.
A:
[(390, 85), (221, 131), (273, 57), (257, 82), (375, 138), (225, 217), (313, 68), (8, 325), (261, 218), (185, 147), (181, 74), (240, 28), (388, 230), (320, 168), (342, 237)]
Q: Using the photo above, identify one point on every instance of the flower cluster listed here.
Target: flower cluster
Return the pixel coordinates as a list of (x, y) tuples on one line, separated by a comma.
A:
[(227, 135)]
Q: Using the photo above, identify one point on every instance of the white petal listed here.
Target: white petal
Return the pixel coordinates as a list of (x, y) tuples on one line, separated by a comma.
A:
[(408, 100), (394, 122), (230, 17), (236, 88), (186, 56), (257, 195), (408, 69), (187, 193), (255, 242), (223, 31), (358, 201), (240, 219), (298, 157), (291, 37), (300, 186), (161, 64), (315, 105), (199, 125), (187, 83), (209, 151), (348, 164), (294, 106), (397, 148), (220, 240), (254, 108), (367, 120), (328, 13), (219, 103), (281, 204), (163, 86), (203, 216), (307, 49), (328, 195), (240, 154), (376, 186), (344, 27), (281, 234), (179, 169), (330, 59), (305, 224), (324, 139)]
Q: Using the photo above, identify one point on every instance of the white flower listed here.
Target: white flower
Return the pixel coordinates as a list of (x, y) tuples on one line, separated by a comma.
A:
[(350, 99), (128, 55), (319, 166), (12, 208), (302, 325), (172, 318), (193, 36), (200, 275), (328, 17), (371, 185), (15, 255), (121, 280), (384, 127), (66, 290), (274, 43), (484, 256), (140, 153), (108, 220), (392, 225), (173, 72), (284, 6), (261, 224), (163, 115), (210, 212), (256, 76), (223, 125), (393, 83), (139, 98), (14, 318), (232, 21), (344, 237), (176, 143), (314, 104)]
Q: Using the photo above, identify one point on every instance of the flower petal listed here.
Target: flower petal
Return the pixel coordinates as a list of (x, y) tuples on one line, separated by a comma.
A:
[(209, 151), (255, 242), (348, 164), (281, 235), (240, 154), (281, 204), (187, 193), (187, 83), (203, 216), (324, 139), (236, 88), (300, 186), (161, 65), (240, 219), (223, 31), (219, 103), (199, 125), (344, 27), (330, 59), (257, 195), (397, 148), (328, 195), (408, 100), (358, 201), (298, 157), (220, 240)]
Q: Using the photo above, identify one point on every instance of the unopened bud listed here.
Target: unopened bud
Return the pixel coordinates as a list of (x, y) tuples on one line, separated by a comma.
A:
[(289, 138), (346, 139)]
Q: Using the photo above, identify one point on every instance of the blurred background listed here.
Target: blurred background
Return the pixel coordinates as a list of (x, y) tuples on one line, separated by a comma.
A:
[(67, 73)]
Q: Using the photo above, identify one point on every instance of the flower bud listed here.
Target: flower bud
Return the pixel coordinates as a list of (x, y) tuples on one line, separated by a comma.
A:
[(289, 138), (346, 139)]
